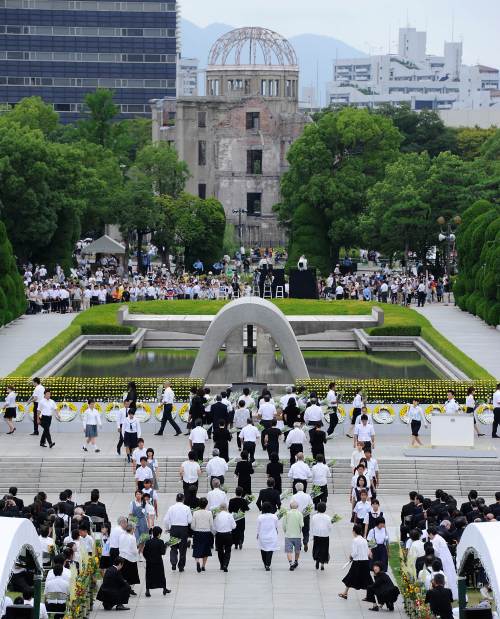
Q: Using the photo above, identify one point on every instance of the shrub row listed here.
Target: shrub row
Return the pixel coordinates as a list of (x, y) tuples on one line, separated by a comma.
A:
[(102, 389), (99, 329), (408, 330), (402, 390)]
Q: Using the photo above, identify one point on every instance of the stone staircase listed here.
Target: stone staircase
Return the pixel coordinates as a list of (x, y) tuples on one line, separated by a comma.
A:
[(114, 475)]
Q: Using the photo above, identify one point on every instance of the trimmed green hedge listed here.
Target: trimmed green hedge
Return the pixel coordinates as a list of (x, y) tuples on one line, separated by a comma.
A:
[(400, 390), (91, 329), (409, 330), (102, 389)]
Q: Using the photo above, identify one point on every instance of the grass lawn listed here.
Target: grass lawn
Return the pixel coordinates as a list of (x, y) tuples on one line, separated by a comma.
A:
[(395, 316)]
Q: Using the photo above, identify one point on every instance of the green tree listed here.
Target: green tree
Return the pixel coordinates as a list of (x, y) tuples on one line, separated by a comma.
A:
[(421, 131), (12, 298), (33, 113), (101, 112), (395, 204), (161, 165), (332, 166), (470, 141), (491, 148)]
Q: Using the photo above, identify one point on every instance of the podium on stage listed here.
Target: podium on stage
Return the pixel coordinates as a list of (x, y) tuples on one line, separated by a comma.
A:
[(452, 430)]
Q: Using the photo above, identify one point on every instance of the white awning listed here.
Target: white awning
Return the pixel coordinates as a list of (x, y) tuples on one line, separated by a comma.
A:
[(483, 540), (104, 245)]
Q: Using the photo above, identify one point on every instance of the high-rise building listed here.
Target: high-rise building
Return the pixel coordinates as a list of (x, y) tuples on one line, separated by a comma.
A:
[(415, 78), (61, 50), (187, 73)]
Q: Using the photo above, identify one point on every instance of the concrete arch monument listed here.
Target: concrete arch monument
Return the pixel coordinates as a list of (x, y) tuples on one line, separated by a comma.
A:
[(254, 311)]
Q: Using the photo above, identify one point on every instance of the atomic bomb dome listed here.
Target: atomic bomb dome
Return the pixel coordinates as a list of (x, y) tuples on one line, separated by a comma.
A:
[(253, 46)]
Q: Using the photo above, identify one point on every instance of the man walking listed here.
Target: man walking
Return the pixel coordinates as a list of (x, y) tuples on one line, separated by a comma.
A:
[(293, 521), (168, 404), (295, 441), (177, 521), (299, 472), (36, 398), (496, 412), (46, 408)]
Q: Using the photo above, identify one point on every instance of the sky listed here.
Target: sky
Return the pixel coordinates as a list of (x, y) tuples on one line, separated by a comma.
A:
[(367, 25)]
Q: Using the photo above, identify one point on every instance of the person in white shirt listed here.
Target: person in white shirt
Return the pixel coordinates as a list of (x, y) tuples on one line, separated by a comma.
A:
[(379, 537), (321, 527), (28, 597), (450, 406), (190, 472), (320, 473), (216, 497), (130, 554), (114, 537), (332, 402), (358, 576), (267, 412), (131, 430), (10, 408), (299, 472), (91, 419), (356, 455), (470, 407), (357, 405), (365, 433), (168, 404), (56, 591), (46, 408), (496, 412), (197, 440), (224, 525), (417, 418), (177, 521), (305, 505), (121, 415), (142, 473), (241, 416), (313, 413), (339, 293), (216, 468), (295, 441), (36, 398), (372, 470), (247, 398), (248, 437), (284, 399), (139, 452)]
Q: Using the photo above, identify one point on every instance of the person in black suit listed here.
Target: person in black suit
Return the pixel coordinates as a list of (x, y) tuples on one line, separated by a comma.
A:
[(317, 438), (269, 495), (222, 436), (218, 412), (465, 508), (407, 511), (95, 508), (115, 590), (382, 591), (272, 438), (494, 508), (18, 502), (440, 598), (132, 395), (69, 505)]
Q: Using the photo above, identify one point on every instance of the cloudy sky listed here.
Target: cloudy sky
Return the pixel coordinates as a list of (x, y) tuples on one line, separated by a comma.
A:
[(368, 25)]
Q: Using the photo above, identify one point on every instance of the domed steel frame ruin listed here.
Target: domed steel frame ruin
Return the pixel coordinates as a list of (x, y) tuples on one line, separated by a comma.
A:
[(258, 43)]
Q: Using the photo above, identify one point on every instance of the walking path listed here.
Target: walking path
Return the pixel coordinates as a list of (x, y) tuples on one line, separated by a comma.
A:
[(24, 336), (469, 333)]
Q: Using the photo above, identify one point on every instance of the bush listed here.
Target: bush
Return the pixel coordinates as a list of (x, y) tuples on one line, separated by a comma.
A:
[(493, 314), (408, 330), (99, 329), (13, 300)]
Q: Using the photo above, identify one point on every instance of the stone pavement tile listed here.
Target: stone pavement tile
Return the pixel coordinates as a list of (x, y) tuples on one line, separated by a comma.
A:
[(191, 613), (248, 612), (304, 614)]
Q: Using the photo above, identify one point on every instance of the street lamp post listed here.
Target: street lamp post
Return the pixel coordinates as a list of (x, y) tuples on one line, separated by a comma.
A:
[(239, 212), (447, 235)]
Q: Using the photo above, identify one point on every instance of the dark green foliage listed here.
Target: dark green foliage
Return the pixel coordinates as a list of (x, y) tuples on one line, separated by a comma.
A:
[(399, 331), (477, 288), (12, 299), (309, 236), (96, 329)]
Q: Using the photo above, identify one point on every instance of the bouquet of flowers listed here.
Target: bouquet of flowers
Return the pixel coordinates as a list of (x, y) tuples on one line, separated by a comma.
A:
[(144, 538), (260, 427), (336, 518), (331, 463), (316, 491), (173, 541), (250, 498), (215, 511), (307, 511), (285, 495), (239, 515), (309, 460), (194, 509), (282, 511)]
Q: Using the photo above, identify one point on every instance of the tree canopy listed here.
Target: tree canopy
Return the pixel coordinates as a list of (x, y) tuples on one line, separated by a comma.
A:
[(12, 298)]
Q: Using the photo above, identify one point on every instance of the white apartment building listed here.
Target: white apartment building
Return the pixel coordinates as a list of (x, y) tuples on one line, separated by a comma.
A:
[(187, 72), (415, 78)]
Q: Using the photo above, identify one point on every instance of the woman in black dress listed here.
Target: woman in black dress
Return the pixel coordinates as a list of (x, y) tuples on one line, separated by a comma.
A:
[(275, 470), (358, 576), (115, 590), (222, 436), (291, 414), (244, 471), (197, 408), (154, 551), (132, 395), (238, 504)]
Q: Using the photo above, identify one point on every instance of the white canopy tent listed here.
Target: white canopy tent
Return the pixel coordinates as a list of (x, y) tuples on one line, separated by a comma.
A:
[(16, 535), (104, 245), (483, 541)]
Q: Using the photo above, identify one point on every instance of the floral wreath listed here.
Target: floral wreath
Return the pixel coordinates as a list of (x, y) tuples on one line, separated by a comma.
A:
[(383, 413), (183, 412), (158, 412), (110, 410), (20, 412), (403, 413), (431, 408), (66, 411), (143, 412), (484, 413), (367, 412), (340, 414), (85, 407)]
